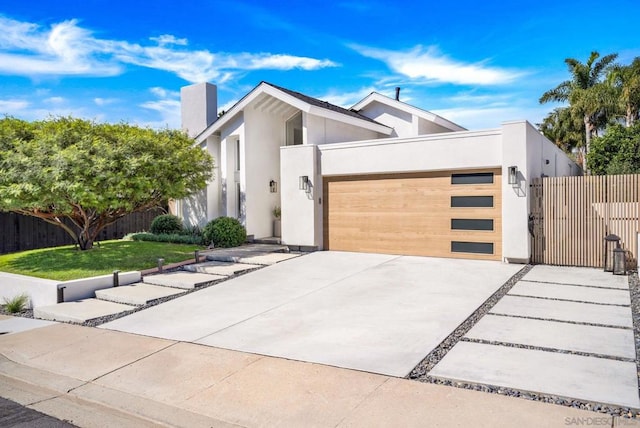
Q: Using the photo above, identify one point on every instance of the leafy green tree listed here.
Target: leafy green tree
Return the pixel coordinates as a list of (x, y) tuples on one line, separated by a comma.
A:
[(617, 151), (93, 174), (587, 95), (563, 128), (626, 81)]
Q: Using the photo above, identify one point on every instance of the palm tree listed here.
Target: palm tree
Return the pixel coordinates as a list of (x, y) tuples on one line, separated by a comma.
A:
[(586, 94), (626, 80), (563, 128)]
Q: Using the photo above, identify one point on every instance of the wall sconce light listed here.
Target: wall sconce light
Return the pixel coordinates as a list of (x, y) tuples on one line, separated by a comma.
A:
[(303, 182), (513, 175), (273, 186)]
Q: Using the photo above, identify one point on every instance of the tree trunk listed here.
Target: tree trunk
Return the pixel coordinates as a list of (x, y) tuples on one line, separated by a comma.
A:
[(588, 128)]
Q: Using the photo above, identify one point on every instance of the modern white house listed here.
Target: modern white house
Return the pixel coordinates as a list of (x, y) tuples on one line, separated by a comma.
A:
[(382, 176)]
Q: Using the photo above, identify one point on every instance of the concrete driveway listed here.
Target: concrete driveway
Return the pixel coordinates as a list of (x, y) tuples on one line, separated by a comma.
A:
[(371, 312)]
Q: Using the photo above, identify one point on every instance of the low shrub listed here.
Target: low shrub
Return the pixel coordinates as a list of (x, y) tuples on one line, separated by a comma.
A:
[(173, 238), (166, 224), (16, 304), (224, 232), (191, 230)]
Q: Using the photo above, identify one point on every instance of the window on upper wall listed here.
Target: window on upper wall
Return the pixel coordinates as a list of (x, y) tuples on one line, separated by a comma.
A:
[(294, 130), (471, 201), (472, 178)]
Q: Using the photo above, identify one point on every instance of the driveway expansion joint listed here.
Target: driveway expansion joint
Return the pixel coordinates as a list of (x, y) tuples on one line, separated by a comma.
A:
[(573, 285)]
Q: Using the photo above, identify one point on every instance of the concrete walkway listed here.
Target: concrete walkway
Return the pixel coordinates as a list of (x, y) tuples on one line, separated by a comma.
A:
[(96, 378), (560, 331), (373, 312)]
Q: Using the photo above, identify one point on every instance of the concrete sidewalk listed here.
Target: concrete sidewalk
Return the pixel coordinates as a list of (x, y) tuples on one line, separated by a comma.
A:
[(95, 377)]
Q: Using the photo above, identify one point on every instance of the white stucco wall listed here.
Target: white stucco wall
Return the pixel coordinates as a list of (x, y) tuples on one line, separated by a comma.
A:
[(400, 121), (459, 150), (428, 127), (264, 134), (301, 211), (199, 107), (214, 188), (515, 144), (320, 130), (528, 150)]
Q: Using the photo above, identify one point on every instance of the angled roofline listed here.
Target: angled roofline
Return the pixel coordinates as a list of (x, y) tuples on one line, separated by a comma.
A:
[(301, 102), (427, 115)]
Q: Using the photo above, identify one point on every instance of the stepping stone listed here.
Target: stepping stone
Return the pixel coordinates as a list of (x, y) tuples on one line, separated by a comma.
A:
[(268, 259), (573, 376), (619, 316), (219, 268), (80, 311), (572, 292), (577, 276), (616, 342), (184, 280), (136, 294)]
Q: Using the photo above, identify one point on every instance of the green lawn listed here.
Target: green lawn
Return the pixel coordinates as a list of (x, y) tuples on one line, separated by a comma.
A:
[(65, 263)]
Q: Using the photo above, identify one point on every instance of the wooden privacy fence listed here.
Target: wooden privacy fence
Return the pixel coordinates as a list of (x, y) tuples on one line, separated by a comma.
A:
[(19, 232), (572, 215)]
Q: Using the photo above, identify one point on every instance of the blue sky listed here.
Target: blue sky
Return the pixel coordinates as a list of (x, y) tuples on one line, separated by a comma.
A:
[(476, 63)]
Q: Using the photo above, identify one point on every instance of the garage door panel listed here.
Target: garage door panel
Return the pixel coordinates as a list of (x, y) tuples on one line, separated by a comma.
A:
[(409, 214)]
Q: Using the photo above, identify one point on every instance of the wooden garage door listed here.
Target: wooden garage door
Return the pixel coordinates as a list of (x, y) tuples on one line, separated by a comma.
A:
[(441, 214)]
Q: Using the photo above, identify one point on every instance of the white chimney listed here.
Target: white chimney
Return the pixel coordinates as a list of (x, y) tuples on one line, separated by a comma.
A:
[(199, 107)]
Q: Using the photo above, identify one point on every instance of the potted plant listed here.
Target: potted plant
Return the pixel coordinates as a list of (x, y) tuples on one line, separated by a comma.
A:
[(276, 221)]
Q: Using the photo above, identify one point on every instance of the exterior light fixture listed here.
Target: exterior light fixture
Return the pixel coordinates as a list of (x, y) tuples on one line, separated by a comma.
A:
[(619, 261), (611, 243), (273, 186), (303, 182), (513, 175)]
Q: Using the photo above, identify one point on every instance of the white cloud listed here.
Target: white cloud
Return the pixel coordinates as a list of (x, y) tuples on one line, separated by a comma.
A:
[(168, 39), (54, 100), (283, 62), (104, 101), (346, 99), (429, 65), (168, 105), (13, 106), (27, 49)]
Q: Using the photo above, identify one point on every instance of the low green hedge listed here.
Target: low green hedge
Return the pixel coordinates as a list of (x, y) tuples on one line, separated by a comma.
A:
[(166, 224), (224, 232), (173, 238)]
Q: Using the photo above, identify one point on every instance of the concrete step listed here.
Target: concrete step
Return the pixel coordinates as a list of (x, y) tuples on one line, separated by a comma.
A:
[(237, 253), (220, 268), (270, 240), (182, 279), (79, 311), (136, 294), (269, 259)]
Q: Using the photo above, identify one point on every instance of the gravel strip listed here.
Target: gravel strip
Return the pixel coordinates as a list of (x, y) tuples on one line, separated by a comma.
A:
[(420, 372), (567, 300), (564, 321), (575, 285), (434, 357), (542, 348), (634, 288)]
